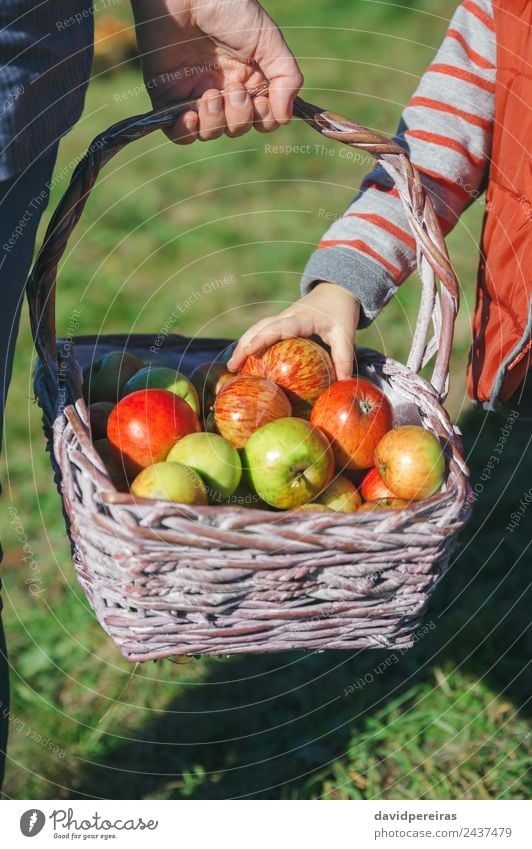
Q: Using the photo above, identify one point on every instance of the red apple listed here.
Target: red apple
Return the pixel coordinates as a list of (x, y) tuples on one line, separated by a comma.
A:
[(355, 415), (288, 462), (410, 461), (299, 366), (99, 413), (383, 504), (373, 487), (145, 425), (341, 495), (245, 404)]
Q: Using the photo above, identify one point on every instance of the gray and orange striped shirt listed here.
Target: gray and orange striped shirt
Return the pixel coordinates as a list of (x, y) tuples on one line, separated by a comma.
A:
[(447, 130)]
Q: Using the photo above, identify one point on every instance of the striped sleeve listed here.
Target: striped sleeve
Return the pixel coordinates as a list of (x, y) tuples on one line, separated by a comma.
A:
[(447, 129)]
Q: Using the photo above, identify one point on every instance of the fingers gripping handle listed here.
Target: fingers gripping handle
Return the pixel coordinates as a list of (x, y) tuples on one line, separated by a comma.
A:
[(433, 259)]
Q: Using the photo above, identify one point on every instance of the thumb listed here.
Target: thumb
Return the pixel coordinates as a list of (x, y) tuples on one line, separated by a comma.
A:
[(282, 71)]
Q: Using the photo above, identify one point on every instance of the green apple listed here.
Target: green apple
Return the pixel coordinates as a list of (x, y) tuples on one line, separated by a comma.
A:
[(161, 377), (341, 495), (245, 496), (170, 482), (105, 378), (213, 458), (288, 461)]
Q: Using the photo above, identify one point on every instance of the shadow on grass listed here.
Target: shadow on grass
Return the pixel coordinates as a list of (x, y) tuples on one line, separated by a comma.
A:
[(260, 726)]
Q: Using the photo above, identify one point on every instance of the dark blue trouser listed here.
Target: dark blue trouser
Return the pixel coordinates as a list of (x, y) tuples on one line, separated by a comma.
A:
[(22, 201)]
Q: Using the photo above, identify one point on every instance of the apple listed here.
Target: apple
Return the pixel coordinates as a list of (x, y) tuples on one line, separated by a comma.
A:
[(213, 458), (373, 487), (113, 463), (245, 404), (98, 415), (207, 379), (299, 366), (384, 504), (288, 462), (161, 377), (104, 379), (314, 507), (355, 415), (144, 425), (410, 461), (341, 495), (170, 482)]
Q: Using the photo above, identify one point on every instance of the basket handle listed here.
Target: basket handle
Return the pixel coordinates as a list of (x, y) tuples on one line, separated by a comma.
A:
[(439, 304)]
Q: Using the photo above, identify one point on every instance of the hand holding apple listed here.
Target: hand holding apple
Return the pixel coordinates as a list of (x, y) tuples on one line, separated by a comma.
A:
[(299, 366)]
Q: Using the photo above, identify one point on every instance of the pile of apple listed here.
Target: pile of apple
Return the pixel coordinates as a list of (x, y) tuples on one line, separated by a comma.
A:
[(283, 433)]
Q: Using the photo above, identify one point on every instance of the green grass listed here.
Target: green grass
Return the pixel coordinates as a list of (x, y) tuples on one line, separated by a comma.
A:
[(447, 719)]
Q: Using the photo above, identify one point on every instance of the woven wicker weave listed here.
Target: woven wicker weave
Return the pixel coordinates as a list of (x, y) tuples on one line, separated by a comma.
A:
[(166, 579)]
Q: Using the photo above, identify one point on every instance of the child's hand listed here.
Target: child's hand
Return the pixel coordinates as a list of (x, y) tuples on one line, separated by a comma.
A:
[(329, 311)]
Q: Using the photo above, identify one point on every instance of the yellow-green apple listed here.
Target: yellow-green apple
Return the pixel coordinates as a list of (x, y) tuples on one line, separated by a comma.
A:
[(245, 404), (410, 461), (170, 482), (299, 366), (288, 462), (373, 487), (161, 377), (144, 426), (99, 413), (355, 415), (104, 379), (213, 458), (341, 495), (313, 507), (113, 463)]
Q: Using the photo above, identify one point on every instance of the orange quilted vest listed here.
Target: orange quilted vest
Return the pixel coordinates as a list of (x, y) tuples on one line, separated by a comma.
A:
[(501, 351)]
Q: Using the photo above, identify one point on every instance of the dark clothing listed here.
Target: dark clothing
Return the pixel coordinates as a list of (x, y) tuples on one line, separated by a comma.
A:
[(45, 62), (18, 209)]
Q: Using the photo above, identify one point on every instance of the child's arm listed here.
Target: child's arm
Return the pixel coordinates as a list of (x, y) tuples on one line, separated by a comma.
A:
[(447, 129)]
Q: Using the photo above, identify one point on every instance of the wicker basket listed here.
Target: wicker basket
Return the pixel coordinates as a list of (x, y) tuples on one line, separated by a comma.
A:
[(165, 579)]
